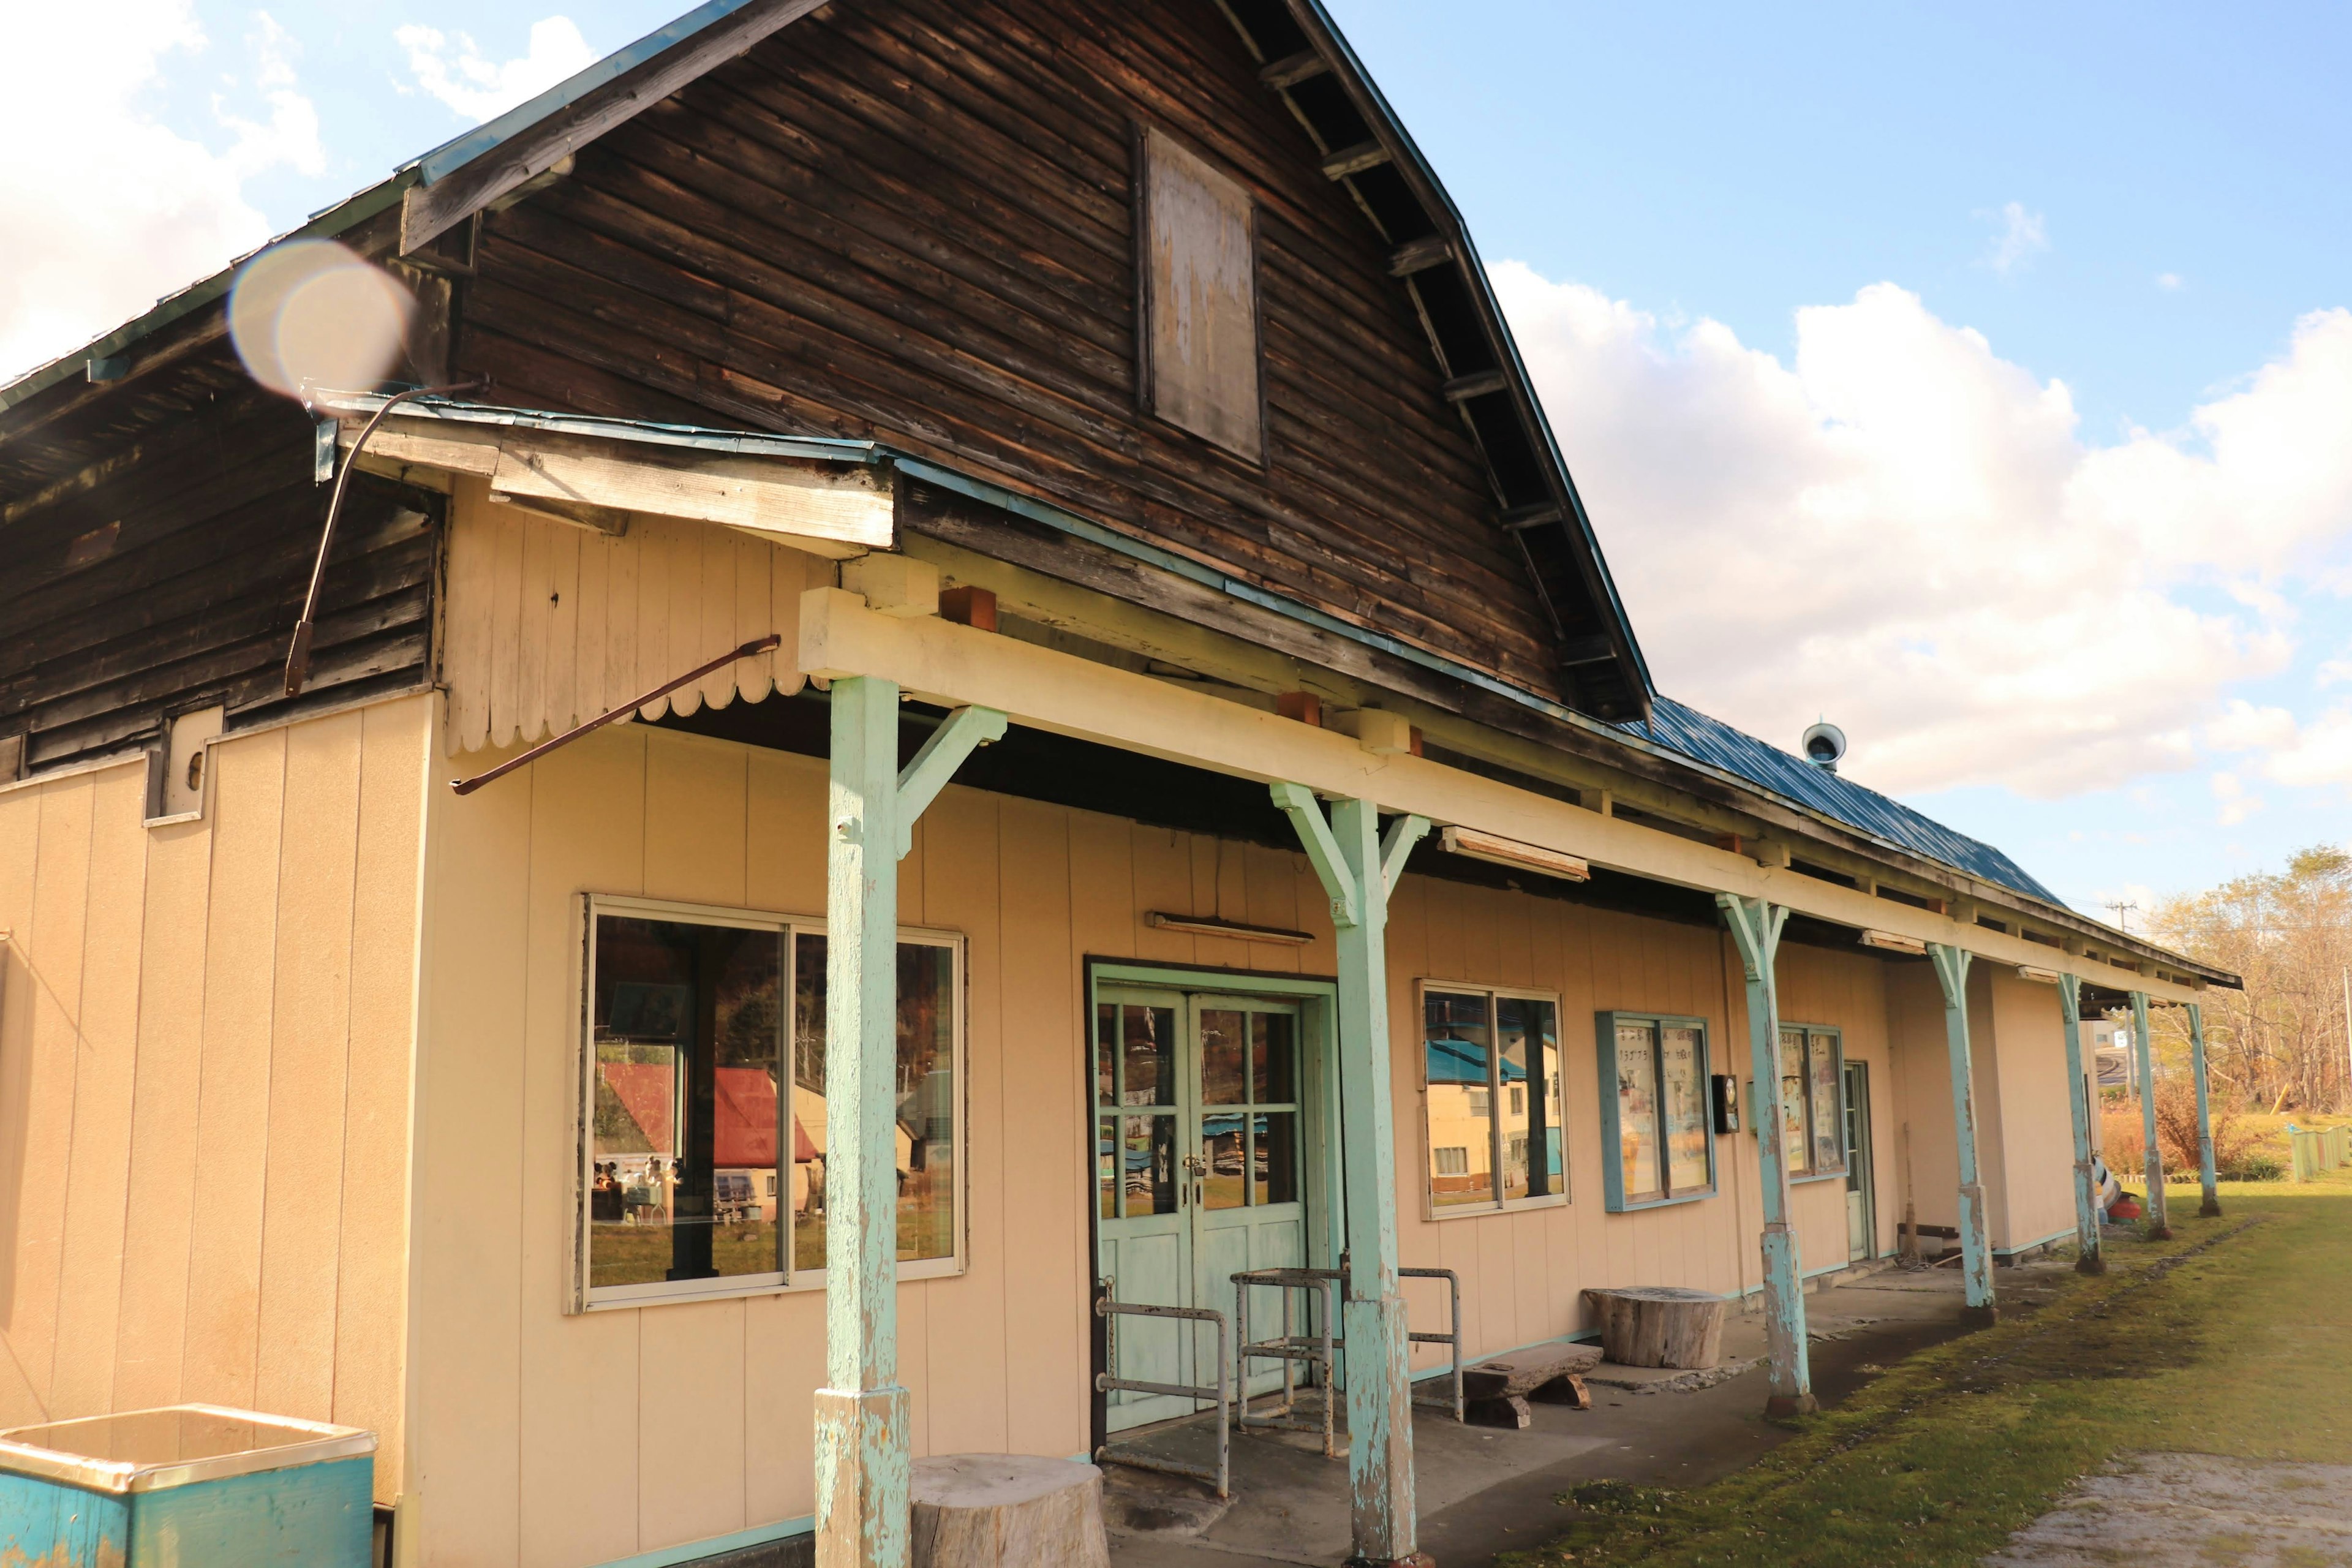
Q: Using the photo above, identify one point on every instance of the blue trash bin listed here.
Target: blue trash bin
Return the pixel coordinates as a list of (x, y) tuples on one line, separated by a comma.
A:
[(189, 1485)]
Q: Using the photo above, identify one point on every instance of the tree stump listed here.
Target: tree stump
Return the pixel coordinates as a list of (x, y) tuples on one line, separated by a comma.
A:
[(1007, 1511), (1660, 1325)]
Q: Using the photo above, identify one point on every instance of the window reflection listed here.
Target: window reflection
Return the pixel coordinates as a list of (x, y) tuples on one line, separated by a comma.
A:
[(1458, 1071), (685, 1026)]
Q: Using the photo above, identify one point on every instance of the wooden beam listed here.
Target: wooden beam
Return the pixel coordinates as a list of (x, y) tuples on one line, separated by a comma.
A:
[(427, 210), (1594, 649), (1355, 160), (1756, 927), (1535, 514), (1420, 255), (954, 666), (835, 510), (157, 350), (1478, 384), (1951, 962), (1287, 73)]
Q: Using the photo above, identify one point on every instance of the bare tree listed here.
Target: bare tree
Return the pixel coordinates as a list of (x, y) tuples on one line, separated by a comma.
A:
[(2283, 1042)]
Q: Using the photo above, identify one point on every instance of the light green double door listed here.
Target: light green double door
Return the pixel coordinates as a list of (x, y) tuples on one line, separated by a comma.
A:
[(1200, 1102)]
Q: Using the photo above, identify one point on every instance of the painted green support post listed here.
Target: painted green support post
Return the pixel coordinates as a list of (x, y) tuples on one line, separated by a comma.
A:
[(1975, 1253), (2087, 1258), (2159, 1226), (1358, 870), (863, 1458), (2207, 1176), (1755, 931)]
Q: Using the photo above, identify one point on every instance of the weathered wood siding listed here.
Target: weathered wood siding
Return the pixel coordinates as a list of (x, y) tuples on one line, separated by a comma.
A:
[(549, 1439), (170, 575), (550, 626), (205, 1033), (915, 221)]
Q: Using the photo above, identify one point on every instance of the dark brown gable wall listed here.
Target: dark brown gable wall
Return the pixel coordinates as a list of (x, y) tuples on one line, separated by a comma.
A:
[(911, 220)]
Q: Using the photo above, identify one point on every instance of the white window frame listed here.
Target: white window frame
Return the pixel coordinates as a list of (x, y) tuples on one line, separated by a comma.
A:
[(1431, 1209), (790, 928)]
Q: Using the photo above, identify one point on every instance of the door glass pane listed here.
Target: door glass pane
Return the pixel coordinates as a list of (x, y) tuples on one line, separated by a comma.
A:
[(1457, 1068), (1683, 1065), (1225, 1050), (1855, 1089), (686, 1029), (1827, 1121), (1274, 1143), (1107, 1053), (1107, 1166), (1637, 1110), (926, 1094), (1226, 1158), (1273, 1058), (1529, 1042), (1150, 1055), (1795, 1147), (1148, 1161)]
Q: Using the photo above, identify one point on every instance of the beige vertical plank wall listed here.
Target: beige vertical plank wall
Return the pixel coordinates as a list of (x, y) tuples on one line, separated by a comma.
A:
[(2036, 1151), (545, 1436), (204, 1036)]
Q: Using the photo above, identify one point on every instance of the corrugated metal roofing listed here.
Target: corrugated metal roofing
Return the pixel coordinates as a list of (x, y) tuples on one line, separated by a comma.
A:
[(1681, 728)]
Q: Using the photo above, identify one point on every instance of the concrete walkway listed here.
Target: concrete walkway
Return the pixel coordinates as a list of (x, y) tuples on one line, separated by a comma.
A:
[(1484, 1491)]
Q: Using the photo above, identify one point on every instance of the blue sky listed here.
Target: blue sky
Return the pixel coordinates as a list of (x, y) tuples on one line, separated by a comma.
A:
[(1980, 378)]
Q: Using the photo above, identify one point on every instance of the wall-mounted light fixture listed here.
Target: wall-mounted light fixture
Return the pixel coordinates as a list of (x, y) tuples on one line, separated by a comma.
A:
[(1477, 846), (1890, 941)]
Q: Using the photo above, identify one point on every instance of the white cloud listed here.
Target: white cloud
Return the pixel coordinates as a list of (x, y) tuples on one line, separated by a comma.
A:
[(1901, 528), (2236, 804), (454, 70), (114, 207), (2022, 238), (2170, 282)]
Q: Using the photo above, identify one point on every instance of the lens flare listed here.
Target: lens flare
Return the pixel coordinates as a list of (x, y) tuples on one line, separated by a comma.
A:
[(309, 315)]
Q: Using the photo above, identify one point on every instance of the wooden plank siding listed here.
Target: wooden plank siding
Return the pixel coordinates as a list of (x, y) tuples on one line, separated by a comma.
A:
[(547, 1436), (913, 221), (205, 1033), (172, 579), (551, 626)]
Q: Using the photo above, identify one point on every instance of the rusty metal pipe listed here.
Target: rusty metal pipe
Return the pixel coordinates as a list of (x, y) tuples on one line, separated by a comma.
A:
[(748, 650), (298, 657)]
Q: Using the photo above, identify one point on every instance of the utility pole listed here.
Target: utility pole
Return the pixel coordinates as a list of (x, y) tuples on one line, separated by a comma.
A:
[(2124, 912)]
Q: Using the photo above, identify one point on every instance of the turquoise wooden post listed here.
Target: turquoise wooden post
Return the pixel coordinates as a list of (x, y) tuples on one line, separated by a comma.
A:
[(2087, 1258), (1756, 931), (1358, 870), (862, 1454), (2159, 1226), (1976, 1254), (2206, 1176)]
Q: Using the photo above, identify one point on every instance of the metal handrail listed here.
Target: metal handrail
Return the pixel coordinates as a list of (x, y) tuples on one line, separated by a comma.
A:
[(1136, 1458), (1290, 1349), (1453, 1290)]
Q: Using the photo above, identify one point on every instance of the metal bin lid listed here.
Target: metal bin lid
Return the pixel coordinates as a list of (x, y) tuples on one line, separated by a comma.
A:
[(177, 1445)]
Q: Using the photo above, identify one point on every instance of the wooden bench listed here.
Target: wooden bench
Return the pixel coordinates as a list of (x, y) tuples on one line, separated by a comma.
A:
[(1496, 1392)]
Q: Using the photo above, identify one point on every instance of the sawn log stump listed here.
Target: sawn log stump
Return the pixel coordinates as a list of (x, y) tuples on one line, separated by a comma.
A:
[(1007, 1511), (1660, 1325)]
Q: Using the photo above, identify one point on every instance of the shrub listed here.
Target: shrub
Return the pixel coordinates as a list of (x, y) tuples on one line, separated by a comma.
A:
[(2124, 1147), (2253, 1168)]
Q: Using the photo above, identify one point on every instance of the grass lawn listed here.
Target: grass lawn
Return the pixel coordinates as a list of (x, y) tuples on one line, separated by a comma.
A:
[(2223, 1341)]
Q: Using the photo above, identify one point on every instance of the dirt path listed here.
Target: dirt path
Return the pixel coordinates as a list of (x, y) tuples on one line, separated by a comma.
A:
[(2194, 1510)]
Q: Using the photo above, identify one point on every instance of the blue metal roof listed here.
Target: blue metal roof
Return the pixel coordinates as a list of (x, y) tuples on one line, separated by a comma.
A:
[(1677, 727)]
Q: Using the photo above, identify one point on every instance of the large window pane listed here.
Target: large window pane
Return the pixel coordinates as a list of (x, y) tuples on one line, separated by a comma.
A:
[(1682, 1064), (1224, 1058), (1822, 1061), (686, 1027), (1458, 1069), (1638, 1154), (1528, 1038), (1796, 1148), (926, 1097)]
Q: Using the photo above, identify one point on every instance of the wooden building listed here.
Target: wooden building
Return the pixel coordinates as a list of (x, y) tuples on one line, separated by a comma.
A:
[(1170, 574)]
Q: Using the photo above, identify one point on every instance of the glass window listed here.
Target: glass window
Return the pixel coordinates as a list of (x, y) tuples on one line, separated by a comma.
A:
[(1812, 1102), (685, 1028), (928, 1096), (1653, 1073), (1490, 1075)]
